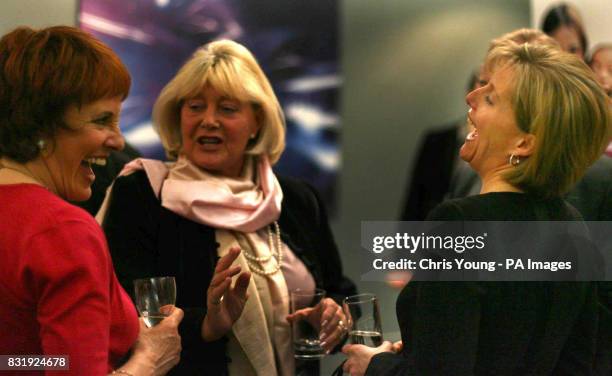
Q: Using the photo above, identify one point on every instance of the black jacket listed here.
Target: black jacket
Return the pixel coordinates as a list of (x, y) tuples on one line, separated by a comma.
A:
[(146, 240), (431, 174), (497, 328)]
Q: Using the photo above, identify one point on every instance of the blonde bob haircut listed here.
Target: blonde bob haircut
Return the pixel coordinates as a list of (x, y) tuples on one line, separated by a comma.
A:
[(520, 36), (524, 35), (557, 99), (232, 70)]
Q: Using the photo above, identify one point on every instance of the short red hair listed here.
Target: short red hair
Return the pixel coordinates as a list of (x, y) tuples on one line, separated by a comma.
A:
[(42, 72)]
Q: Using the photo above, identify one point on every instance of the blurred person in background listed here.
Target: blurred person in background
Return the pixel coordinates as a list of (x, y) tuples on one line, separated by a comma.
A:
[(601, 62), (438, 172), (563, 23)]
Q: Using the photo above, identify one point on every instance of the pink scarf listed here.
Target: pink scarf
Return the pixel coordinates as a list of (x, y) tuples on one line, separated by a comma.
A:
[(244, 204)]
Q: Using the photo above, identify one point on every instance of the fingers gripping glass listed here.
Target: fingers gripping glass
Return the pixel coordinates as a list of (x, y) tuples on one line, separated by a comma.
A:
[(154, 298), (306, 327), (363, 316)]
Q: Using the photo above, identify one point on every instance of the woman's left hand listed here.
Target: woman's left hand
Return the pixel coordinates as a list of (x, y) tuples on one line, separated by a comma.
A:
[(359, 357), (328, 317)]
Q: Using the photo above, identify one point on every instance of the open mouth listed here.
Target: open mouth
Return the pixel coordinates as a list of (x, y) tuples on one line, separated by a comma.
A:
[(470, 122), (208, 140), (473, 133)]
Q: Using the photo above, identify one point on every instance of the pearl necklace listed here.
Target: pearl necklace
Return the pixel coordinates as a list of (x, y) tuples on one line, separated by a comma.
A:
[(254, 262)]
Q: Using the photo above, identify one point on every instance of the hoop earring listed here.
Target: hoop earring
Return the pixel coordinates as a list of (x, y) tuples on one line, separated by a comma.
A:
[(514, 160)]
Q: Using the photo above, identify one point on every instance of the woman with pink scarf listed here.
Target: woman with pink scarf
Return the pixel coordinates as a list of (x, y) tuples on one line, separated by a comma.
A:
[(237, 237)]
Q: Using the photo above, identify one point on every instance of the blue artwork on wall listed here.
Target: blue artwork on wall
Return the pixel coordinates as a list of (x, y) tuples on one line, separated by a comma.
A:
[(296, 43)]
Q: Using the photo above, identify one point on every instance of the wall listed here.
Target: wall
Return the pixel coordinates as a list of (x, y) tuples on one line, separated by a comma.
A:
[(405, 66), (36, 13)]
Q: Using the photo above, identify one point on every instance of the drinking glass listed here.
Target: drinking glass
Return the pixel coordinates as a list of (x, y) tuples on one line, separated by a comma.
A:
[(363, 319), (152, 295), (305, 331)]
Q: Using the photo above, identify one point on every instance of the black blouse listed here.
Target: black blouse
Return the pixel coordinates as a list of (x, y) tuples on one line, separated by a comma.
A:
[(496, 328)]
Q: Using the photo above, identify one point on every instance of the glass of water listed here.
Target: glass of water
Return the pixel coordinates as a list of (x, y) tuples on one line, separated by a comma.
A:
[(154, 296), (305, 329), (363, 319)]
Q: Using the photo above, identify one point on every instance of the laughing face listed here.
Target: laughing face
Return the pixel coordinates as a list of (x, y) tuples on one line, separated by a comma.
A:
[(496, 134), (93, 132), (215, 130)]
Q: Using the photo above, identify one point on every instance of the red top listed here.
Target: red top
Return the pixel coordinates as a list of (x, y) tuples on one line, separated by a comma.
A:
[(59, 293)]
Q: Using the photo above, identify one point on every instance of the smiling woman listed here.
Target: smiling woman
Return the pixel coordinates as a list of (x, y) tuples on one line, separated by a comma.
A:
[(228, 126), (60, 97), (539, 122), (496, 135), (45, 103), (90, 133), (223, 129)]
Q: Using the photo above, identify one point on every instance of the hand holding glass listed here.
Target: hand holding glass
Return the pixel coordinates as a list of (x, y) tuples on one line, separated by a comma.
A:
[(306, 325), (363, 315), (153, 297)]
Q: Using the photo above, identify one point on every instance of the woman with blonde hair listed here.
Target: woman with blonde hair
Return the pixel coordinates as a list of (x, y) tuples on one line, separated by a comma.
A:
[(539, 122), (218, 213)]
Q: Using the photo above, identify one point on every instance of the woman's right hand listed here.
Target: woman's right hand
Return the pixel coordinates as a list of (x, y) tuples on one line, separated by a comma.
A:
[(157, 349), (225, 303)]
